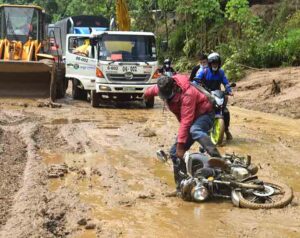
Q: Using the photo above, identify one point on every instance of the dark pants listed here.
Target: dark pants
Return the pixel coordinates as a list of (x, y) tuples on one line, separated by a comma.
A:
[(226, 115), (198, 130)]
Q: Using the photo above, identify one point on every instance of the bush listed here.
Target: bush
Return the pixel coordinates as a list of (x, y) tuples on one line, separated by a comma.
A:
[(183, 64), (234, 71), (176, 41), (294, 21)]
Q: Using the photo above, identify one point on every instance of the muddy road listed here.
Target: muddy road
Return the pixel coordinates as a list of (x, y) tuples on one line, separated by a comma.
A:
[(77, 171)]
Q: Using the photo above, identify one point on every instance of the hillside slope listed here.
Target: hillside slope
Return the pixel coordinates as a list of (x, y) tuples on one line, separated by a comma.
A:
[(273, 90)]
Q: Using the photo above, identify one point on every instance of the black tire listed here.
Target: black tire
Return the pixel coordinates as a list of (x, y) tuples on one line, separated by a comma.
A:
[(61, 83), (95, 98), (283, 192), (217, 132), (78, 93), (66, 84), (149, 103)]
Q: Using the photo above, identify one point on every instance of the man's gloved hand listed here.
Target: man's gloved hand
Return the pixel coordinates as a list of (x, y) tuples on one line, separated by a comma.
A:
[(180, 150)]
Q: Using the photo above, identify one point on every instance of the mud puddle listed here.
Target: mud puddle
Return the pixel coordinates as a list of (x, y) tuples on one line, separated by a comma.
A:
[(118, 197)]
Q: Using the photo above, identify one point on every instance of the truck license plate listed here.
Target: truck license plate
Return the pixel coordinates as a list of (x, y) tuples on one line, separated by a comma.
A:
[(128, 89)]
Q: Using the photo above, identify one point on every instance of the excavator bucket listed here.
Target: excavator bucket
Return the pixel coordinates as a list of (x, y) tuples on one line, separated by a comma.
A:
[(27, 79)]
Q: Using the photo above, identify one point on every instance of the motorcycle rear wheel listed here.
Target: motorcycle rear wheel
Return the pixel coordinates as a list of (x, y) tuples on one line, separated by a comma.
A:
[(217, 132), (275, 195)]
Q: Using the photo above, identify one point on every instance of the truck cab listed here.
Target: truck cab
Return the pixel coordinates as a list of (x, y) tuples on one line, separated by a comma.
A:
[(112, 65)]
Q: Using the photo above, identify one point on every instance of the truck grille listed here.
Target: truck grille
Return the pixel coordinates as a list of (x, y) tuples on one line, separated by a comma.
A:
[(121, 78)]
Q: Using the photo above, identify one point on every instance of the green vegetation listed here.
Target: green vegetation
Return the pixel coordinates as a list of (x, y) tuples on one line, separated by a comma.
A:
[(242, 35)]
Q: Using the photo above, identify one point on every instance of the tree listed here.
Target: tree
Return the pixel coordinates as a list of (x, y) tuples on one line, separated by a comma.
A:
[(238, 10), (141, 12), (199, 16)]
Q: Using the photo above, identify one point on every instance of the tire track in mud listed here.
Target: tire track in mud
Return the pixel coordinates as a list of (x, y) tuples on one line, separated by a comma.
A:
[(12, 164), (27, 199), (34, 211)]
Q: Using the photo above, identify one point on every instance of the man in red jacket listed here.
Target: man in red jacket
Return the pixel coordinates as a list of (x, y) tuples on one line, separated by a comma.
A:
[(195, 113)]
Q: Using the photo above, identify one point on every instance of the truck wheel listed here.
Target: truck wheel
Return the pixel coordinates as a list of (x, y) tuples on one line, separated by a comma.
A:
[(78, 93), (149, 103), (61, 83), (95, 98), (66, 84)]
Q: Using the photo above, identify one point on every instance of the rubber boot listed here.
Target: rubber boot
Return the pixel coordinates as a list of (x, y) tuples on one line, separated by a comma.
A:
[(209, 147), (227, 122), (228, 135)]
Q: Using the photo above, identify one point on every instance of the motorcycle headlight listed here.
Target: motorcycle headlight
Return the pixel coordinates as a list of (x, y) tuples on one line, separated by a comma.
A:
[(219, 101), (200, 193)]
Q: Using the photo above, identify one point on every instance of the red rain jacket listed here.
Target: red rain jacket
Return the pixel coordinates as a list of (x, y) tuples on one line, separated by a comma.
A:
[(187, 105)]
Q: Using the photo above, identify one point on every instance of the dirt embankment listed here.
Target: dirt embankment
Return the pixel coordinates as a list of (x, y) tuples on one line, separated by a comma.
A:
[(273, 91)]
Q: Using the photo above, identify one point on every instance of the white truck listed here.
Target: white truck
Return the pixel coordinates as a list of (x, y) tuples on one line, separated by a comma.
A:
[(111, 65)]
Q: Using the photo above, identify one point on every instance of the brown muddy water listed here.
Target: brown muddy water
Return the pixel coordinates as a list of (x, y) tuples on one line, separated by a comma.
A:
[(151, 219)]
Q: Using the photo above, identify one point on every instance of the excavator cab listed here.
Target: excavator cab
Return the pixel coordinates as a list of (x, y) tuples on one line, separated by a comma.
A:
[(26, 70)]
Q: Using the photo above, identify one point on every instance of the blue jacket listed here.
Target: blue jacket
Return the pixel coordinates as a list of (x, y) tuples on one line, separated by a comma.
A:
[(212, 80)]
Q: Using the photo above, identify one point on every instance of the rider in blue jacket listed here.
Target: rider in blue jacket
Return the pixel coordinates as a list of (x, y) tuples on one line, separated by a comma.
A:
[(212, 78)]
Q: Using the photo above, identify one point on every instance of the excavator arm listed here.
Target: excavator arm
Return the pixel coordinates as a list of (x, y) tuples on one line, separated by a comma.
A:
[(123, 19)]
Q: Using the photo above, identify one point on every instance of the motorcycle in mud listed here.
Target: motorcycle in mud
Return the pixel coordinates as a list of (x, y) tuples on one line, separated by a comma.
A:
[(231, 177), (218, 128)]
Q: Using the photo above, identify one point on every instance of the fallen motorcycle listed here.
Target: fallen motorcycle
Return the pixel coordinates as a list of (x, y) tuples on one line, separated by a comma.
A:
[(231, 177)]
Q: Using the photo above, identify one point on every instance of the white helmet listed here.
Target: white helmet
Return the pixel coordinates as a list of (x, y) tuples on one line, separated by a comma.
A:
[(214, 58)]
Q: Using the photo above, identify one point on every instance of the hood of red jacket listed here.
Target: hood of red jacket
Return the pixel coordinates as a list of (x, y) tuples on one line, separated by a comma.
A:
[(182, 81)]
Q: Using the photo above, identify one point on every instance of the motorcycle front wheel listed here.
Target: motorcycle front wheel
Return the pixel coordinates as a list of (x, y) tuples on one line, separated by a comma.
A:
[(275, 195), (217, 132)]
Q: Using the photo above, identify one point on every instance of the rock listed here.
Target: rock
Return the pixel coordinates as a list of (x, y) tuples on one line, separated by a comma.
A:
[(82, 172), (53, 175), (142, 196), (82, 222), (96, 172), (90, 226), (147, 132), (275, 88), (57, 170), (49, 104)]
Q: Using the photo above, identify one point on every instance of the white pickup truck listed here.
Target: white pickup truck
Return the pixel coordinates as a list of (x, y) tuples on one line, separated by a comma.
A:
[(111, 65)]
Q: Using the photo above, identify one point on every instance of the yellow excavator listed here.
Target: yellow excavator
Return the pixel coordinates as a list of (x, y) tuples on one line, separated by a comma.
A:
[(26, 68)]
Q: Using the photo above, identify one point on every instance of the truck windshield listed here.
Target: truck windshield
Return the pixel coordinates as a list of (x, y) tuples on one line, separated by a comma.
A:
[(18, 23), (127, 48)]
